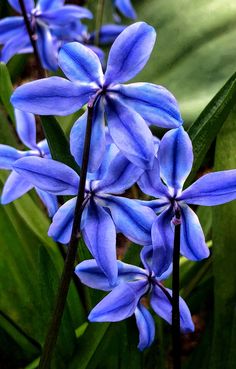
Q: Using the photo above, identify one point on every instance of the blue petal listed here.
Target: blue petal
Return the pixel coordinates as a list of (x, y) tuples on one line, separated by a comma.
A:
[(154, 103), (130, 133), (79, 63), (29, 5), (8, 156), (47, 47), (53, 95), (15, 187), (100, 54), (45, 5), (131, 218), (126, 8), (61, 227), (65, 14), (156, 205), (99, 234), (110, 154), (48, 175), (10, 27), (108, 33), (50, 201), (192, 241), (91, 275), (211, 189), (129, 53), (44, 148), (26, 128), (120, 303), (146, 327), (162, 242), (151, 184), (121, 175), (14, 46), (98, 142), (176, 158), (163, 307)]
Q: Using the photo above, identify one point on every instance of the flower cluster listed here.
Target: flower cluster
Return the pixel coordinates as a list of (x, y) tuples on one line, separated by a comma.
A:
[(123, 152)]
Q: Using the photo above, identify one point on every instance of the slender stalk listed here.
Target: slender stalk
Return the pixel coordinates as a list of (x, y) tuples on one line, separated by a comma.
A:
[(32, 36), (68, 270), (99, 18), (176, 344)]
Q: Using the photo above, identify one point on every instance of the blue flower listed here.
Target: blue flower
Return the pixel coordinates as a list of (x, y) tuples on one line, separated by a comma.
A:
[(125, 298), (165, 182), (125, 7), (76, 31), (16, 185), (129, 108), (47, 15), (103, 213)]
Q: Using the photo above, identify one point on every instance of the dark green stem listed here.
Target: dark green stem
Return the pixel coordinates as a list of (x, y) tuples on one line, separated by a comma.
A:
[(176, 344), (32, 36), (99, 18), (68, 270)]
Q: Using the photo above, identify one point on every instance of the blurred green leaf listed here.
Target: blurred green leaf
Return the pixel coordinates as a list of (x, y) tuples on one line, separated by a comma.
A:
[(6, 90), (193, 56), (205, 129), (57, 141), (224, 257)]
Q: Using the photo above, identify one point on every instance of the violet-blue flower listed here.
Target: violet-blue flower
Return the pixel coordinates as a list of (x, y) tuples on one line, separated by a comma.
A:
[(16, 185), (103, 213), (125, 8), (165, 182), (124, 300), (43, 17), (129, 108)]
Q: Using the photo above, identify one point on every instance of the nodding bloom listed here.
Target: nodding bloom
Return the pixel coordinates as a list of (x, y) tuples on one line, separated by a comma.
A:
[(129, 109), (44, 17), (125, 298), (125, 8), (165, 182), (16, 185), (76, 31), (104, 214)]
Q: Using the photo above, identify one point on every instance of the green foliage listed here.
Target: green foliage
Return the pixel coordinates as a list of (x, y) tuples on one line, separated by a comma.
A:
[(6, 90), (223, 353), (57, 141)]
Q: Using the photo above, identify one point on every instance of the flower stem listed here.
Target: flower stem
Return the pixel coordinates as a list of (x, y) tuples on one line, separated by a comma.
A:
[(32, 36), (99, 18), (68, 270), (176, 344)]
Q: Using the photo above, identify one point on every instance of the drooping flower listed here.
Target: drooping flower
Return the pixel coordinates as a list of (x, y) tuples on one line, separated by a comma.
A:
[(44, 17), (165, 182), (103, 213), (125, 8), (125, 298), (16, 185), (76, 31), (129, 108)]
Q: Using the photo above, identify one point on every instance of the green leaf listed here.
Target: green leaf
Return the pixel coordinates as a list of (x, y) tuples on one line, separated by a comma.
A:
[(224, 257), (6, 90), (57, 141), (24, 347), (205, 129), (88, 345), (30, 266)]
